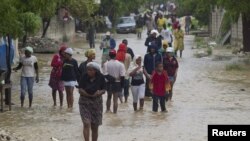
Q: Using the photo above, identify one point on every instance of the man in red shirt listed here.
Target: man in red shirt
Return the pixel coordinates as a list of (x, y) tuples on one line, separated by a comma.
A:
[(160, 86)]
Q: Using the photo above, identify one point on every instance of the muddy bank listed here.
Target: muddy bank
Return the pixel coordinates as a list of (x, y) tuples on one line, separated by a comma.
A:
[(7, 136)]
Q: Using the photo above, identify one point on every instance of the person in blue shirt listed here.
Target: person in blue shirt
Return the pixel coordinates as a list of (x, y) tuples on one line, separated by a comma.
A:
[(150, 61), (107, 44)]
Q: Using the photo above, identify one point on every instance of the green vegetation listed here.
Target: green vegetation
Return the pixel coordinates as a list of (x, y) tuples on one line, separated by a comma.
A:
[(234, 67), (209, 51)]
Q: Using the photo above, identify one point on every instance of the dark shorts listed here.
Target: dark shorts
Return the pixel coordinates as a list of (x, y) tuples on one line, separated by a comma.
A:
[(114, 87)]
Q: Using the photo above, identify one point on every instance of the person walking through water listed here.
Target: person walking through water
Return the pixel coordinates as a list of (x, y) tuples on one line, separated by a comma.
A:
[(90, 54), (70, 75), (91, 88), (160, 87), (179, 40), (114, 72), (107, 44), (29, 66), (137, 83), (55, 81), (126, 59), (155, 39), (167, 35), (150, 60), (129, 49), (170, 64)]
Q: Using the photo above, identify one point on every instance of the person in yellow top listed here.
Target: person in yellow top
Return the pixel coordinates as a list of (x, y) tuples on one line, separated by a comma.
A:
[(161, 22), (179, 40)]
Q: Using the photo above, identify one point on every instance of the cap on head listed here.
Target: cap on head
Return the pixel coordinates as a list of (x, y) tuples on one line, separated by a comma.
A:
[(69, 51), (28, 48)]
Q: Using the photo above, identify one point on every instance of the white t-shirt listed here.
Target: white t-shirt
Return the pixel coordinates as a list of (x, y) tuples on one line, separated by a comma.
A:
[(114, 68), (28, 69), (166, 34)]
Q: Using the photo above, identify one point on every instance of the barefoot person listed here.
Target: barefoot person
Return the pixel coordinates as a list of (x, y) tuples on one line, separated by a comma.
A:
[(114, 72), (70, 75), (160, 87), (179, 40), (29, 66), (137, 83), (170, 64), (55, 81), (126, 59), (91, 89)]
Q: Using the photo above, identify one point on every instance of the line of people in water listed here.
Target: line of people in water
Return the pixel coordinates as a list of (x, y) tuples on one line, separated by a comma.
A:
[(118, 72)]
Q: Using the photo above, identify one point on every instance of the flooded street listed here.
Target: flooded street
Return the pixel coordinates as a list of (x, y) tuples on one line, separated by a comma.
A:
[(203, 94)]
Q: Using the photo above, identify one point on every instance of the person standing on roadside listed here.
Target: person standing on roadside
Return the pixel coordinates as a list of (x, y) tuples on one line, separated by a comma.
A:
[(107, 44), (150, 60), (91, 35), (188, 23), (55, 81), (179, 40), (29, 66), (170, 64), (70, 75), (91, 89), (114, 72), (126, 59), (139, 26), (137, 83), (90, 54)]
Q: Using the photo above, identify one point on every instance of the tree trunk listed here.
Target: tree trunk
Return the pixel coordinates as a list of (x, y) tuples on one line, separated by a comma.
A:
[(46, 23), (8, 74), (246, 32), (24, 40)]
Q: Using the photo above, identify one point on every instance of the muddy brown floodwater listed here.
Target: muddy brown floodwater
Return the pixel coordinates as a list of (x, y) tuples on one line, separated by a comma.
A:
[(203, 95)]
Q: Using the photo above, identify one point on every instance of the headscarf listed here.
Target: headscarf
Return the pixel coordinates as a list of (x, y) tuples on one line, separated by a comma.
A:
[(90, 53), (30, 49), (121, 53), (94, 65), (62, 48), (135, 58)]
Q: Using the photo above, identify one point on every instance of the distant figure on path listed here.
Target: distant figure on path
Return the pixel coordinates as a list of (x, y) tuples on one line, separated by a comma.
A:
[(91, 36), (107, 44), (55, 81), (70, 75), (91, 89), (29, 66), (179, 40), (188, 23)]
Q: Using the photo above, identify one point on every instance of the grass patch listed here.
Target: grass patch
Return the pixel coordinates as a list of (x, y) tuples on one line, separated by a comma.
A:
[(232, 67), (209, 51), (200, 42)]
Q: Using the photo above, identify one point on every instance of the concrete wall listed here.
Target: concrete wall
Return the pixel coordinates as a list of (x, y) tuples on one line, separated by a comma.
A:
[(236, 30), (58, 27), (216, 20), (237, 33)]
